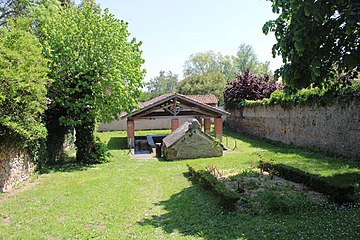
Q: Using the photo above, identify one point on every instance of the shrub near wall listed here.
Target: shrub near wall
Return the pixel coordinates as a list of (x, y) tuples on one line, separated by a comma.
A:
[(321, 120)]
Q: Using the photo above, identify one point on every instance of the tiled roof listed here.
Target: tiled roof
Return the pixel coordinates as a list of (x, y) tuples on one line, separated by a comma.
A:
[(154, 100), (207, 98), (195, 98), (150, 102)]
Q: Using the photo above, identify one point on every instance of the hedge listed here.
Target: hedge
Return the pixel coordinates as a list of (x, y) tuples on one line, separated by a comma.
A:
[(338, 192), (307, 96), (208, 181)]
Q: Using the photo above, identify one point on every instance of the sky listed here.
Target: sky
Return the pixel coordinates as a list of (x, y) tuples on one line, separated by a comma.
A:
[(172, 30)]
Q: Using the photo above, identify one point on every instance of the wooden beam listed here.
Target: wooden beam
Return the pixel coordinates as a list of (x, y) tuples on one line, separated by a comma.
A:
[(175, 100)]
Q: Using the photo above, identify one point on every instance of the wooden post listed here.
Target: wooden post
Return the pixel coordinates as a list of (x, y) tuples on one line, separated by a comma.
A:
[(174, 124), (131, 133), (218, 128), (207, 124)]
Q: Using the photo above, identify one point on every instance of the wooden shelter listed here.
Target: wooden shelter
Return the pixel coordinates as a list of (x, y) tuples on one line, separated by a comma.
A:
[(174, 106)]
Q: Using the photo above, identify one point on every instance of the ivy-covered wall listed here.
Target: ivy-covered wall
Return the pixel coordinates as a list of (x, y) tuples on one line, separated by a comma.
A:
[(333, 128), (15, 166)]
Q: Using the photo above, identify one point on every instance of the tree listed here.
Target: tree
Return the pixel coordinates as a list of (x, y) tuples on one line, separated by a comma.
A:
[(204, 73), (13, 9), (248, 86), (317, 40), (208, 72), (23, 77), (246, 59), (164, 83), (96, 70)]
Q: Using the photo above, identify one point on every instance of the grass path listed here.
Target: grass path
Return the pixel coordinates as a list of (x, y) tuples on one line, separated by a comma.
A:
[(150, 199)]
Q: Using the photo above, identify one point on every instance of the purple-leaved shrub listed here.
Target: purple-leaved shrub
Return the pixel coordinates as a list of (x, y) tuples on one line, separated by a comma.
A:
[(248, 87)]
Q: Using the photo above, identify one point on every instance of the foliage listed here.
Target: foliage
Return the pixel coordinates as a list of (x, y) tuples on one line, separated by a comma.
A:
[(100, 154), (248, 87), (159, 85), (208, 72), (318, 41), (23, 77), (10, 9), (309, 96), (203, 74), (246, 59), (38, 152), (96, 70)]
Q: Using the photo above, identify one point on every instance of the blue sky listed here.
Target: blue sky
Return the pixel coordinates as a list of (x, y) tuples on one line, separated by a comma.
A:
[(172, 30)]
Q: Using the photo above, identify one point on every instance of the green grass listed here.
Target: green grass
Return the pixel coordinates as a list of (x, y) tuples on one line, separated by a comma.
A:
[(151, 199), (345, 171)]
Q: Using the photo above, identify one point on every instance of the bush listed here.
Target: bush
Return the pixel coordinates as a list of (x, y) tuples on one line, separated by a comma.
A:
[(340, 193), (308, 96), (248, 87), (100, 153), (23, 76), (208, 181)]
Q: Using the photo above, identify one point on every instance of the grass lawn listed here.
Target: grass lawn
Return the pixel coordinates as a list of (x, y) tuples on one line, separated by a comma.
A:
[(151, 199)]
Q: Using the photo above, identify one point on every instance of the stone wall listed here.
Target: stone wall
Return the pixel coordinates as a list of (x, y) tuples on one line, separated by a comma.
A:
[(333, 129), (194, 144), (15, 166)]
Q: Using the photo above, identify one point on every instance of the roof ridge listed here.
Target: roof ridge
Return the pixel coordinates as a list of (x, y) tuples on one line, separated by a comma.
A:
[(168, 96)]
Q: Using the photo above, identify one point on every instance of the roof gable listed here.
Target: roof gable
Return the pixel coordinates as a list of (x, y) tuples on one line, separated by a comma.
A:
[(172, 104)]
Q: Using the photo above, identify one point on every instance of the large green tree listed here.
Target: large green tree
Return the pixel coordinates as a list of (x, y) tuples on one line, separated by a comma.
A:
[(96, 70), (209, 72), (317, 40), (165, 82), (23, 78), (246, 59), (204, 73)]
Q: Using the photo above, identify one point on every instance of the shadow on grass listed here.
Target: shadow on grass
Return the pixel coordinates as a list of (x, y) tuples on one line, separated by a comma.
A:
[(67, 164), (192, 212), (196, 212), (350, 178), (279, 147), (117, 143)]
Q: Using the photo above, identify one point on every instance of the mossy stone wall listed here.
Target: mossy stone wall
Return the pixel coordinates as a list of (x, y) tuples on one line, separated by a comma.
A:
[(15, 166), (334, 128)]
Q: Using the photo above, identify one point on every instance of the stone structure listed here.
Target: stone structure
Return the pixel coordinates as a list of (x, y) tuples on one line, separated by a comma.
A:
[(188, 141), (333, 129), (15, 166)]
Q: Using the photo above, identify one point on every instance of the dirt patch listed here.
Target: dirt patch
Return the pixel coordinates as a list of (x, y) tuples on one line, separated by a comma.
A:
[(6, 221), (97, 227), (26, 185), (252, 185)]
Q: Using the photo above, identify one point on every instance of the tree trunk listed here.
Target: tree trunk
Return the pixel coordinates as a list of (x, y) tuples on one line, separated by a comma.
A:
[(85, 141), (55, 139)]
